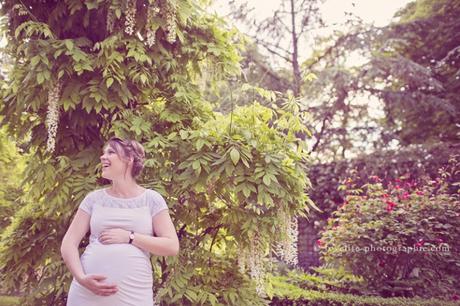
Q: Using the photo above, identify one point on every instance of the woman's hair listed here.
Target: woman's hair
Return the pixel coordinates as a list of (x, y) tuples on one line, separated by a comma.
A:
[(128, 149)]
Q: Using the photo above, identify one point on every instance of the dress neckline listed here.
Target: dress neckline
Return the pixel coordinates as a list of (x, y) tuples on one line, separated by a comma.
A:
[(118, 198)]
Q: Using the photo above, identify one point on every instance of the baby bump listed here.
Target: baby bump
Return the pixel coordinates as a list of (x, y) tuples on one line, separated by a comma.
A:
[(120, 263)]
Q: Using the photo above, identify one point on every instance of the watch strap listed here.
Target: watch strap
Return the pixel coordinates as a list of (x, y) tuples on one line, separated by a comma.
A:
[(131, 236)]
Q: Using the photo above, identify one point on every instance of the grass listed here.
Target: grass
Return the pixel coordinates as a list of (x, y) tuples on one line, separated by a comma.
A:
[(8, 300)]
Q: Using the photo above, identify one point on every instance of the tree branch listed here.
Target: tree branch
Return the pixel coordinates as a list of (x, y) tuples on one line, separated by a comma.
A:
[(268, 47)]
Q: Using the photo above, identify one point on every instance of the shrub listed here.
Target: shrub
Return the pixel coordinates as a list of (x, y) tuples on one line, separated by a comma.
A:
[(284, 292), (403, 240)]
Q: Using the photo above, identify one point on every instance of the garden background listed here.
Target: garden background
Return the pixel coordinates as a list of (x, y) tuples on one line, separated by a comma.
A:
[(302, 163)]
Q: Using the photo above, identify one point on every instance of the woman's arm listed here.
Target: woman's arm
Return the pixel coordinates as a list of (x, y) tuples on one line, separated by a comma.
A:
[(167, 244), (69, 251), (72, 238)]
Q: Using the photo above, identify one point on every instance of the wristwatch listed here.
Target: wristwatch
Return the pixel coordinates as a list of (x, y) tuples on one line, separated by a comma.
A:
[(131, 237)]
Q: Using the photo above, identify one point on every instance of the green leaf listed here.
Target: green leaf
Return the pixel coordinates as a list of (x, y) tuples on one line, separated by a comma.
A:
[(246, 191), (40, 78), (266, 179), (196, 164), (199, 144), (69, 44), (35, 60), (144, 78), (91, 5), (109, 82), (235, 156)]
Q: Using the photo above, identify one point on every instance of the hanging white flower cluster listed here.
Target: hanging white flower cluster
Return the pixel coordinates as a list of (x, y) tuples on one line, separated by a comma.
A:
[(52, 117), (170, 13), (110, 20), (287, 248), (130, 19), (255, 262), (253, 259), (152, 11)]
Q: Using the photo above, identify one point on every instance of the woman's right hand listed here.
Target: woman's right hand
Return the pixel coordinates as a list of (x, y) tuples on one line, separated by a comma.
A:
[(93, 282)]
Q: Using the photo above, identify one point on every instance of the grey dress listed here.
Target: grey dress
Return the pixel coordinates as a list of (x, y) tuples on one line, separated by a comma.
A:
[(124, 264)]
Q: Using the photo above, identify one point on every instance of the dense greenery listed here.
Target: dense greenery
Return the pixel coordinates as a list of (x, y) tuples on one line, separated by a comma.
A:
[(398, 239), (288, 292), (406, 71), (89, 70), (77, 72), (412, 163), (11, 162)]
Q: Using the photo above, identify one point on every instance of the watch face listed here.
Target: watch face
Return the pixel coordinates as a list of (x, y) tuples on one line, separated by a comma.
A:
[(131, 236)]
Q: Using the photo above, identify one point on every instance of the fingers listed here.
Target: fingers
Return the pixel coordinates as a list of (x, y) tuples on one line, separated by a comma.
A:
[(104, 238), (104, 289), (106, 286), (97, 277), (106, 292)]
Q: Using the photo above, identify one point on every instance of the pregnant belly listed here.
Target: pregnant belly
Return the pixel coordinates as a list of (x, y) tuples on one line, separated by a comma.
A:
[(122, 264)]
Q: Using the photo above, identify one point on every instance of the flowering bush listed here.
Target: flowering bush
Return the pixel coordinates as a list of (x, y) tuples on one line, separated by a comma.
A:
[(403, 240)]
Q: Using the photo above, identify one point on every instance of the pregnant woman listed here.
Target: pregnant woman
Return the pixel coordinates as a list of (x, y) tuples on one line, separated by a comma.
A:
[(115, 268)]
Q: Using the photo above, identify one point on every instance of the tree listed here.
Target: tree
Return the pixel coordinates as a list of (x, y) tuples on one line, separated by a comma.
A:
[(83, 71), (411, 67), (293, 20)]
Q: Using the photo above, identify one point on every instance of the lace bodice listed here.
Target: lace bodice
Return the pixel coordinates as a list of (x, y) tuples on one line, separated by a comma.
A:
[(149, 198)]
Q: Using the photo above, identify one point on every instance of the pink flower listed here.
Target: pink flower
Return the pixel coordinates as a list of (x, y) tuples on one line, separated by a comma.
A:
[(319, 242), (420, 243), (390, 205), (455, 297), (419, 192), (405, 196)]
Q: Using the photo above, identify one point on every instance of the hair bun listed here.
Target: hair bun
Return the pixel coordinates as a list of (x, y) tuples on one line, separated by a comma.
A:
[(130, 149)]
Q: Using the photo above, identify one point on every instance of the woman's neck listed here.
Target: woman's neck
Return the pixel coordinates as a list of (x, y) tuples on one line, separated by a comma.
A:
[(125, 189)]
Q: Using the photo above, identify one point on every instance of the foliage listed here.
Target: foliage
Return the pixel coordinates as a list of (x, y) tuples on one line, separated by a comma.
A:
[(8, 301), (225, 178), (401, 238), (411, 66), (323, 279), (291, 21), (11, 161), (412, 163), (286, 293)]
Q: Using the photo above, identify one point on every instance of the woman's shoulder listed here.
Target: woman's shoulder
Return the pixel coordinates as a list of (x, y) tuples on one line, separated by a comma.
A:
[(96, 192), (153, 193)]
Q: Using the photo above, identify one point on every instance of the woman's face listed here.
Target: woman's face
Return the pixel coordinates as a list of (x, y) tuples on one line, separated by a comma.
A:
[(113, 167)]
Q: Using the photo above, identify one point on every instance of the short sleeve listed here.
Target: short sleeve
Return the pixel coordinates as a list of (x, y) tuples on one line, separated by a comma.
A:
[(87, 203), (156, 203)]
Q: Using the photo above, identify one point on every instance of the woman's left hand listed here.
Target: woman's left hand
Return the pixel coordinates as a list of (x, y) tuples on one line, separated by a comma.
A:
[(114, 235)]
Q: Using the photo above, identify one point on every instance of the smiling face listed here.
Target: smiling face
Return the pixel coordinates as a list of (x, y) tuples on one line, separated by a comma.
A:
[(113, 166)]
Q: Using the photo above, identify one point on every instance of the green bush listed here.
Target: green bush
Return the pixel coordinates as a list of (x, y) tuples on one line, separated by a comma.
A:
[(283, 292), (403, 240), (8, 301), (324, 279)]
